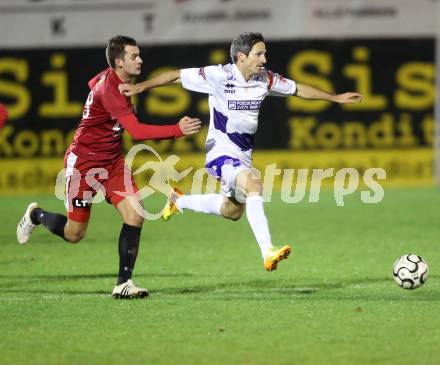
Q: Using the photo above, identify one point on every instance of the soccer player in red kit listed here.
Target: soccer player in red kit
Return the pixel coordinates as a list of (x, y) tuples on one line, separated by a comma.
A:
[(95, 161)]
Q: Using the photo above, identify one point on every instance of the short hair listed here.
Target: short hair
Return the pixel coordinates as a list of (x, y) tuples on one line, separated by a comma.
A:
[(243, 43), (116, 48)]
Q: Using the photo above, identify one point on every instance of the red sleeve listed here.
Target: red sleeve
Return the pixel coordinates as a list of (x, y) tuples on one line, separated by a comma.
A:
[(271, 79), (3, 115), (140, 131), (119, 108)]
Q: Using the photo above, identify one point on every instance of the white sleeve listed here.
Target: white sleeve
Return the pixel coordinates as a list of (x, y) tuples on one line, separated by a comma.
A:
[(280, 86), (202, 80)]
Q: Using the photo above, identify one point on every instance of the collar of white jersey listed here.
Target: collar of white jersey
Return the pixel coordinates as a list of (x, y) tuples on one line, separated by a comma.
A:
[(239, 75)]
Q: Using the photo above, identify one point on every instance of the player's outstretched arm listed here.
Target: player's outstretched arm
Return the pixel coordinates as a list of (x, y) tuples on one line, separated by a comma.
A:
[(141, 131), (310, 92), (159, 80)]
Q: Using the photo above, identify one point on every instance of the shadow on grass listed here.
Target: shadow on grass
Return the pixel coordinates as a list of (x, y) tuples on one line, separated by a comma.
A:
[(57, 277), (27, 283), (272, 286), (279, 290), (88, 276), (253, 290), (58, 292)]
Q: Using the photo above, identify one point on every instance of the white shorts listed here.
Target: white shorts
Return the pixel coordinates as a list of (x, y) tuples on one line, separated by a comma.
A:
[(225, 169)]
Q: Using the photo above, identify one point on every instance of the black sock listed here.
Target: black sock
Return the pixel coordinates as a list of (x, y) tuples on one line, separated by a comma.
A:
[(52, 221), (128, 250), (35, 215)]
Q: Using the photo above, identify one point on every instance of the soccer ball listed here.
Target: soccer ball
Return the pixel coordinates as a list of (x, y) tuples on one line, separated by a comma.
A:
[(410, 271)]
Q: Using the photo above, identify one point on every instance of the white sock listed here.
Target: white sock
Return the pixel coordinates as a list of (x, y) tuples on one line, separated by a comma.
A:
[(258, 222), (205, 203)]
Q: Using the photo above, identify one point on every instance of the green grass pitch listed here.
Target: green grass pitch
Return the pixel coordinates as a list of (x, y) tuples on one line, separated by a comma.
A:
[(332, 302)]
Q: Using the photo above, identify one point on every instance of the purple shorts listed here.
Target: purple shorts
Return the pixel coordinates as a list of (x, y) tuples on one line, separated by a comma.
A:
[(214, 167)]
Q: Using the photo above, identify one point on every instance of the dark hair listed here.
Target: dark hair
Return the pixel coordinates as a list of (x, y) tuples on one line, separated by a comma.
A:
[(243, 43), (116, 48)]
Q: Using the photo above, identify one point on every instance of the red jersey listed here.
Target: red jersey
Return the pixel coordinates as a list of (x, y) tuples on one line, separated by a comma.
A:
[(105, 114)]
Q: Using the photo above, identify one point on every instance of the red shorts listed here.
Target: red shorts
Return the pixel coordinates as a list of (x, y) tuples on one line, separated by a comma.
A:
[(84, 178)]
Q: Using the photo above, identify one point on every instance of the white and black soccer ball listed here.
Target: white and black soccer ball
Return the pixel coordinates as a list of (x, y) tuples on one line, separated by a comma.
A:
[(410, 271)]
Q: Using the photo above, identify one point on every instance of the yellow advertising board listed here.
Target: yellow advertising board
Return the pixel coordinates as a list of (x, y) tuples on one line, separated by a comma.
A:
[(406, 167)]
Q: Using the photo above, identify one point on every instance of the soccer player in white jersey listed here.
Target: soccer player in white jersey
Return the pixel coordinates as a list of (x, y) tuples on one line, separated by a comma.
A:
[(236, 92)]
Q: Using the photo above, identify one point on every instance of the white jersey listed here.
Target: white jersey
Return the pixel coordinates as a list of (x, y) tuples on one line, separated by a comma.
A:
[(234, 105)]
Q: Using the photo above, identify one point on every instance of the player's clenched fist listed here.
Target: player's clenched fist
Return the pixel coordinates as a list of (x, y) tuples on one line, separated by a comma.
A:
[(189, 125)]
